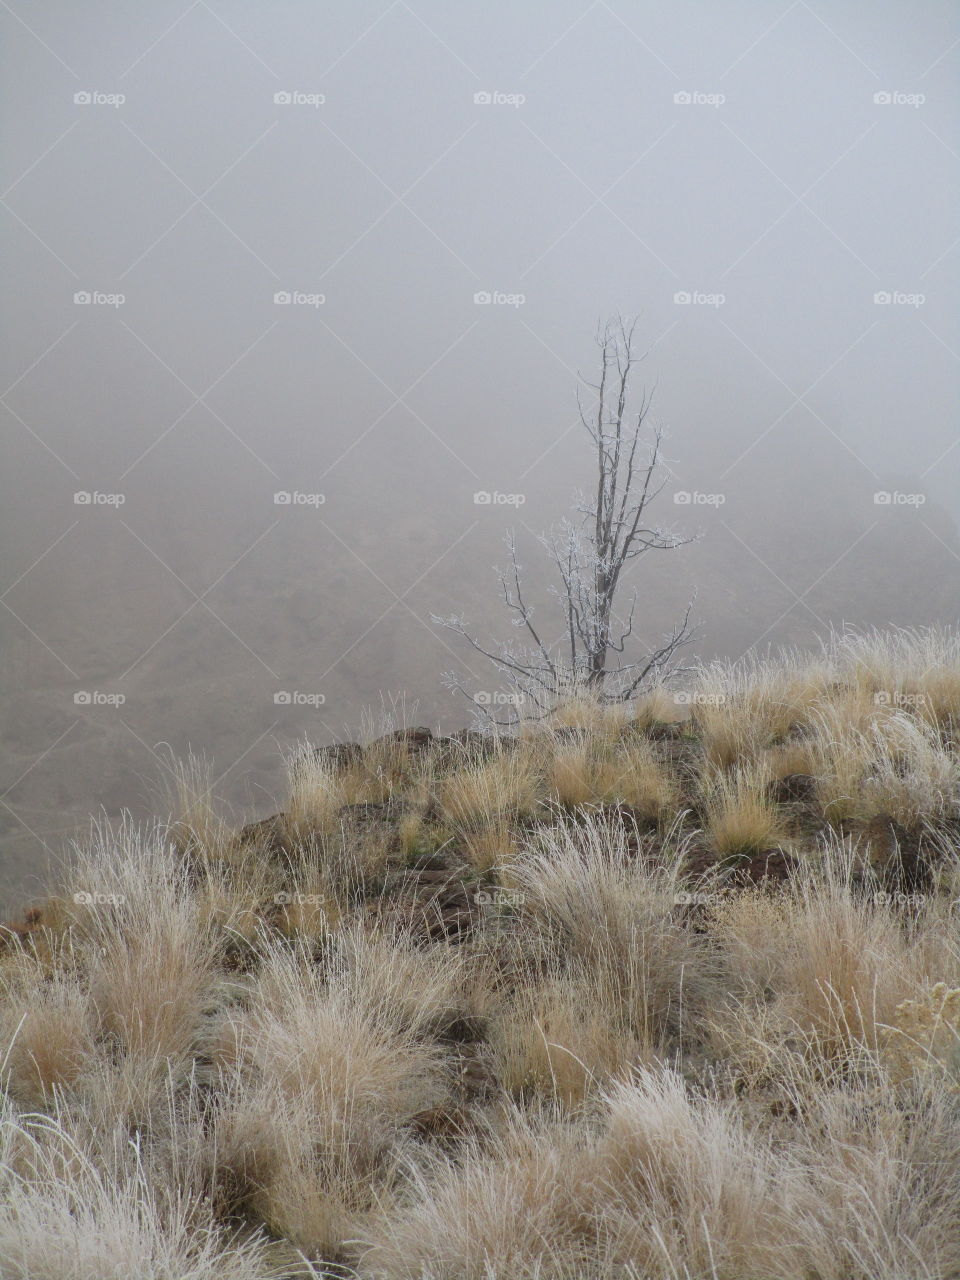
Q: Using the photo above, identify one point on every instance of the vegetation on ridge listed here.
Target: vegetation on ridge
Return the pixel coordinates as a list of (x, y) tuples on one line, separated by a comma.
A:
[(654, 990)]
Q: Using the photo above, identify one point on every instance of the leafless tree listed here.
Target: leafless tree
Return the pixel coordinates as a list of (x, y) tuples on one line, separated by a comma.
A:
[(591, 554)]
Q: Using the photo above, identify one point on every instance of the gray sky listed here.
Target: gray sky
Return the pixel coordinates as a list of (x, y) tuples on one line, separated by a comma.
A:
[(781, 165)]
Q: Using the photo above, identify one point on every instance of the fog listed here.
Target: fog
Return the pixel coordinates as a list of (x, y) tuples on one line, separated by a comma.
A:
[(450, 198)]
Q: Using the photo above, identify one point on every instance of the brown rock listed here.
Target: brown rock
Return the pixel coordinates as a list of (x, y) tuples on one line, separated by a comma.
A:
[(339, 754), (415, 740), (794, 788), (772, 866), (896, 855), (268, 836), (441, 1122), (665, 730)]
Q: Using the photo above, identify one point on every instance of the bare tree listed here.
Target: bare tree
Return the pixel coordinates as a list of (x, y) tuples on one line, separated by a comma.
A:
[(591, 555)]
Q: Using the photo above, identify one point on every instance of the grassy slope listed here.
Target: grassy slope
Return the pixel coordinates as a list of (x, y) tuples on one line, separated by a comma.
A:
[(667, 991)]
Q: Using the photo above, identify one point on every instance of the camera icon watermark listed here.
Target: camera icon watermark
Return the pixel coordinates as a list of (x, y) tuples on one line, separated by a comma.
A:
[(84, 498), (693, 298), (94, 98), (297, 98), (297, 298), (894, 498), (694, 98), (899, 698), (694, 498), (900, 900), (498, 698), (896, 98), (512, 898), (84, 899), (495, 98), (96, 698), (696, 698), (94, 298), (896, 298), (294, 498), (497, 298), (295, 698), (494, 498)]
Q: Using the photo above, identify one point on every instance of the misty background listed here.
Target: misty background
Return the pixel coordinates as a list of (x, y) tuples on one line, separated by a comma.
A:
[(790, 168)]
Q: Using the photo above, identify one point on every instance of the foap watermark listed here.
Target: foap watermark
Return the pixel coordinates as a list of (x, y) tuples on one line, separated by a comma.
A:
[(494, 498), (296, 698), (297, 98), (97, 698), (499, 898), (898, 698), (696, 698), (296, 298), (294, 498), (496, 98), (903, 901), (694, 498), (894, 498), (83, 898), (696, 98), (682, 899), (94, 298), (897, 98), (497, 698), (298, 899), (896, 298), (94, 98), (497, 298), (691, 298), (84, 498)]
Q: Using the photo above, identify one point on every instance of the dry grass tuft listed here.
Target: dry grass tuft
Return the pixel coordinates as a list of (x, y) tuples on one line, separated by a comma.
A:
[(742, 819)]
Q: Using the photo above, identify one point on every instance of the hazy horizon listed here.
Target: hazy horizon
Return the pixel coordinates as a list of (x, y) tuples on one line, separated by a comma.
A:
[(362, 253)]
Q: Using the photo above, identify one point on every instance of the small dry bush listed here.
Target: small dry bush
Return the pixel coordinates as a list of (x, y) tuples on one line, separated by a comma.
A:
[(581, 772), (151, 959), (882, 1162), (558, 1039), (825, 963), (330, 1082), (657, 706), (319, 788), (64, 1216), (915, 668), (601, 721), (663, 1185), (594, 902), (483, 799), (926, 1036), (740, 709), (47, 1030), (519, 1206), (741, 818), (197, 827), (883, 762), (487, 791), (644, 784)]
